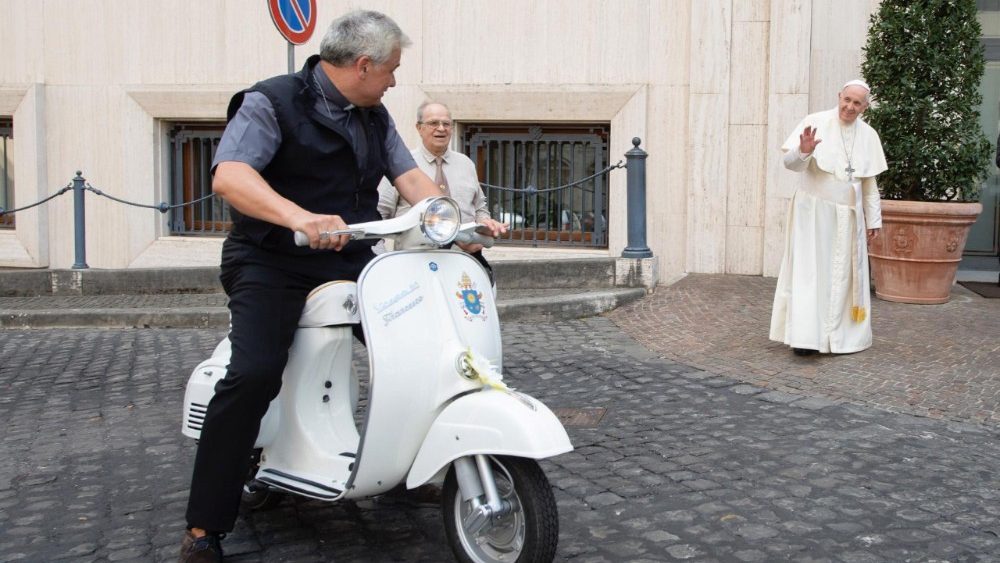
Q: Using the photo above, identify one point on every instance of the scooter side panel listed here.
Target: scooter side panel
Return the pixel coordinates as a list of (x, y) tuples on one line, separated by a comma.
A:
[(313, 447), (421, 311), (489, 422), (201, 388)]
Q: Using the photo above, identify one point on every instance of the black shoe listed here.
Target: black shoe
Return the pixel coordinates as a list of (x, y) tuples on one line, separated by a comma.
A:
[(804, 351), (205, 549)]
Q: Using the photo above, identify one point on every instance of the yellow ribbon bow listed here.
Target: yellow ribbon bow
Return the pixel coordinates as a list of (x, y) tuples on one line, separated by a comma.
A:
[(479, 369)]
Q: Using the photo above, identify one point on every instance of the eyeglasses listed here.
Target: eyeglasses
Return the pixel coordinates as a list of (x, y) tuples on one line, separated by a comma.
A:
[(435, 124)]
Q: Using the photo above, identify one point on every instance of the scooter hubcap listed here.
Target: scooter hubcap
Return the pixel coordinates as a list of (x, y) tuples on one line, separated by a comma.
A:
[(503, 537)]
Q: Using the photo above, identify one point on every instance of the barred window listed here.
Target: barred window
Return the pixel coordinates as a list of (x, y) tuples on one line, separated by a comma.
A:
[(6, 171), (537, 157), (192, 148)]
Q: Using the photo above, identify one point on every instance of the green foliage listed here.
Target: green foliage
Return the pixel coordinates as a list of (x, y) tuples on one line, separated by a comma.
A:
[(924, 62)]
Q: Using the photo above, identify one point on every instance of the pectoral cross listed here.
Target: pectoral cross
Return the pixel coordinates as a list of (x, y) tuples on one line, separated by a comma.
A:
[(850, 172)]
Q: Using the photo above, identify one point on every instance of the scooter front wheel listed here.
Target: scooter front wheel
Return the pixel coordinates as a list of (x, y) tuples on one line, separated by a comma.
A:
[(528, 533)]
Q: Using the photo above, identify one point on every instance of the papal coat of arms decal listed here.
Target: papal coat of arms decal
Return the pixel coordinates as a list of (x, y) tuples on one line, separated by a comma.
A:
[(471, 298)]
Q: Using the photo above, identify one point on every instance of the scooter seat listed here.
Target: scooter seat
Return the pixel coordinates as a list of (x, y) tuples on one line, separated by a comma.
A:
[(333, 303)]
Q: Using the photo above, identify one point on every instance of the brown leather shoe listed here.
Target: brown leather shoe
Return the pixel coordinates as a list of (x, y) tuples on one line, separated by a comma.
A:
[(205, 549)]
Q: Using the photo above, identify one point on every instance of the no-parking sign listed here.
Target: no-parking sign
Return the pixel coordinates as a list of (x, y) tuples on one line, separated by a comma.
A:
[(295, 19)]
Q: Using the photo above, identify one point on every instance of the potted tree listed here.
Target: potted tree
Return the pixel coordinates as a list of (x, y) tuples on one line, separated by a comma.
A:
[(924, 62)]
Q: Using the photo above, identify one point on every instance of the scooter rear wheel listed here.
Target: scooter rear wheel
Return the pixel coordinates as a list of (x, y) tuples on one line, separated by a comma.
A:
[(528, 534)]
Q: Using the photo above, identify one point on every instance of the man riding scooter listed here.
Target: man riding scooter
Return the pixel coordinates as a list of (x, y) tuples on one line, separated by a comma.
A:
[(302, 152)]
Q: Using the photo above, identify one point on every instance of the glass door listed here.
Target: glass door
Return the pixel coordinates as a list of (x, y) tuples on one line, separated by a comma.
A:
[(984, 238)]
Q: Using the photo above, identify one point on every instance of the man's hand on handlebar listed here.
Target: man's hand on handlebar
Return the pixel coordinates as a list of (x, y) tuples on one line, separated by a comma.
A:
[(492, 227), (319, 228), (487, 227)]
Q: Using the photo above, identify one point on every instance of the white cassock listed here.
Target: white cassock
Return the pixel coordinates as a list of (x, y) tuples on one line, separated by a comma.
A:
[(822, 301)]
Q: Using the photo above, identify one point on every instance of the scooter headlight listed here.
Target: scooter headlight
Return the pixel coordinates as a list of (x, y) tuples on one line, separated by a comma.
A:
[(440, 221)]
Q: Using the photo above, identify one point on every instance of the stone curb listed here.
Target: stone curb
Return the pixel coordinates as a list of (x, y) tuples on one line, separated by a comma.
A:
[(177, 317)]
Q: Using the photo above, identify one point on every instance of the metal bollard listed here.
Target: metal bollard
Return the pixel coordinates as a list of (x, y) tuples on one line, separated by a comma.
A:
[(79, 229), (636, 182)]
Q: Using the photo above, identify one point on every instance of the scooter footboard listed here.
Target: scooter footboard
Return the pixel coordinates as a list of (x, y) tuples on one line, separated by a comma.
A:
[(488, 422)]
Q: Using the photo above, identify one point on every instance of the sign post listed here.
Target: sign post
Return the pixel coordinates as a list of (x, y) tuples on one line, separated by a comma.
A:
[(296, 21)]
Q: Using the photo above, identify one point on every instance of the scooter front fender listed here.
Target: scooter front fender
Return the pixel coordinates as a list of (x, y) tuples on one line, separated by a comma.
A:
[(488, 422)]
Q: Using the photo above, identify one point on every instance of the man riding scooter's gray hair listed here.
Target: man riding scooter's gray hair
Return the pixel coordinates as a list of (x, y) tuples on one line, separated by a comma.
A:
[(361, 33)]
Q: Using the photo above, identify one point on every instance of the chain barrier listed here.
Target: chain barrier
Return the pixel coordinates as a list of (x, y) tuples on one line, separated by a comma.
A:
[(162, 207), (37, 203), (533, 190)]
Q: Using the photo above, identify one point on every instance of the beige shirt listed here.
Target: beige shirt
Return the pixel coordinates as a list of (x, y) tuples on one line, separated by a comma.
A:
[(463, 183)]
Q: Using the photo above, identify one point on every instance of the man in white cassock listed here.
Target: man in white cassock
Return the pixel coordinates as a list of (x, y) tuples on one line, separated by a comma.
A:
[(822, 302)]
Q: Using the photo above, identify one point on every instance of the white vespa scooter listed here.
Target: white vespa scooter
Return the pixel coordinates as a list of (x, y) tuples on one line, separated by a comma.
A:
[(438, 410)]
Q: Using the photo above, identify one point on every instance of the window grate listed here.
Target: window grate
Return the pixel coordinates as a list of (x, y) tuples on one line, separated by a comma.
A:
[(532, 156), (7, 172), (193, 147)]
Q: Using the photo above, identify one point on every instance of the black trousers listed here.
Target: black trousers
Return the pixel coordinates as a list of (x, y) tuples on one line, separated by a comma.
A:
[(478, 255), (265, 301)]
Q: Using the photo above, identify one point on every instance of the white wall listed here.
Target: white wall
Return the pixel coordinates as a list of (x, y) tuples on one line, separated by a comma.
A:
[(711, 86)]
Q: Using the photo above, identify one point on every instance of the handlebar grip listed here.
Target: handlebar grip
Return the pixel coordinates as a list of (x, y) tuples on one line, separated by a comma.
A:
[(474, 237), (301, 239)]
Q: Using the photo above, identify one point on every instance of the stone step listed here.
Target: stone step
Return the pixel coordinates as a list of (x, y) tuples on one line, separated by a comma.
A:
[(588, 273), (208, 310)]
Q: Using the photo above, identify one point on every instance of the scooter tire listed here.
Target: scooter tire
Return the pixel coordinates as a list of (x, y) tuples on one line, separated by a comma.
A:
[(530, 533)]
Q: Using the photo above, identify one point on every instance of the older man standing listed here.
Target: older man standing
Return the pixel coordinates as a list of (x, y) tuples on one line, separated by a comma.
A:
[(453, 173), (822, 302)]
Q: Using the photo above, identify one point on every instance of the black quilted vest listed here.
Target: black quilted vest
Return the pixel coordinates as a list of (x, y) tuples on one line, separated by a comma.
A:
[(316, 167)]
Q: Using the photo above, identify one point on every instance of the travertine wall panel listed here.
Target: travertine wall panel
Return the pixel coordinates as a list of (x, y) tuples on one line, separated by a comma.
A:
[(790, 44), (752, 10), (708, 121), (745, 199), (669, 42), (748, 82), (744, 249), (21, 21), (747, 174), (831, 69), (535, 42), (667, 170), (839, 31), (139, 172), (706, 219), (85, 42), (711, 37)]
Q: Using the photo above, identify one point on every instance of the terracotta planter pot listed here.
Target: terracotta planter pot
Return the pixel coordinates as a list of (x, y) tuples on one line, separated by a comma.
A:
[(915, 258)]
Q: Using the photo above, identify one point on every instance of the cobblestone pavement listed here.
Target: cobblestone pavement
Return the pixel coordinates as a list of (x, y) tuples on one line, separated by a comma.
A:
[(685, 465), (939, 361)]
